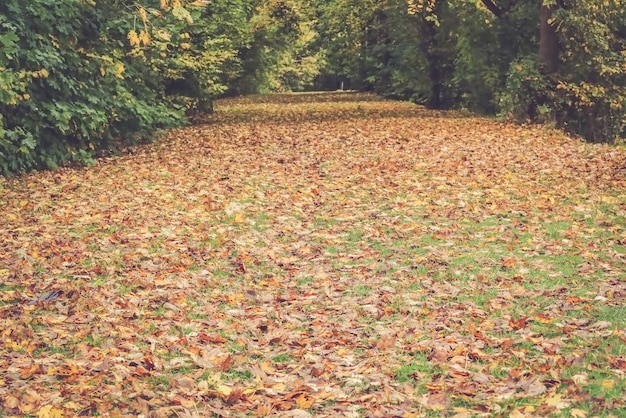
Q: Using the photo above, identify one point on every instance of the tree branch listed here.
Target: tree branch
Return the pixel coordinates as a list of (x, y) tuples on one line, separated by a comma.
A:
[(493, 8)]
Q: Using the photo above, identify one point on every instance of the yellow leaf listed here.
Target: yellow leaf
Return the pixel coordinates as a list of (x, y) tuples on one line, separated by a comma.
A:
[(214, 379), (557, 401), (49, 411), (143, 15), (580, 379), (119, 70), (578, 413), (144, 38), (72, 405), (133, 38), (279, 387), (26, 407), (608, 384), (224, 390), (11, 402), (239, 218)]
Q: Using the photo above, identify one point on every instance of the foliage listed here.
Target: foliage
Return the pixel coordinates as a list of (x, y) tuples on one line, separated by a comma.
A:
[(587, 95), (323, 254), (81, 77), (527, 93), (466, 54), (486, 48), (591, 88), (75, 94), (281, 55)]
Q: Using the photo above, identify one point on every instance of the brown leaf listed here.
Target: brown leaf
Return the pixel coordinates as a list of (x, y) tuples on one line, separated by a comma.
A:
[(224, 363), (215, 338), (386, 341), (436, 401), (519, 323)]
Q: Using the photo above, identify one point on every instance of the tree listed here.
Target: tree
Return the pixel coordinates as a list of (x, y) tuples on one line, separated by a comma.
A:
[(548, 37)]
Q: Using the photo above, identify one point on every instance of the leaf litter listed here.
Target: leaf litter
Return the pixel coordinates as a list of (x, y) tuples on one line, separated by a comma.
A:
[(320, 255)]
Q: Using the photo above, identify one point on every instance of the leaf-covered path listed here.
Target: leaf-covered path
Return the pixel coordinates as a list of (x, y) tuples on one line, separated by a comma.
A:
[(325, 255)]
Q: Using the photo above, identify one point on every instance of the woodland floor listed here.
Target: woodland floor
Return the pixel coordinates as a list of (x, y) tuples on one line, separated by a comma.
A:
[(320, 255)]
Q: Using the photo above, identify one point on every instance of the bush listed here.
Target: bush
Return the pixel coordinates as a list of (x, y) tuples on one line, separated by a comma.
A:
[(528, 94), (587, 95), (72, 88)]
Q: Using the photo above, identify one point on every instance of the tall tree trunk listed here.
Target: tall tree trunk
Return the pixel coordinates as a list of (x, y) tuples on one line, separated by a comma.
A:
[(434, 101), (435, 60), (548, 39)]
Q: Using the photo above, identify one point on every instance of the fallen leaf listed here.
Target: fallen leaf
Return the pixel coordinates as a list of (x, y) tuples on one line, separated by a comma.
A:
[(608, 384), (517, 324), (49, 411), (11, 402), (436, 401), (305, 401), (578, 413), (557, 401), (386, 341)]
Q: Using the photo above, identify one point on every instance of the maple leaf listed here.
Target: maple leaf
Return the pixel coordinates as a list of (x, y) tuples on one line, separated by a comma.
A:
[(49, 411)]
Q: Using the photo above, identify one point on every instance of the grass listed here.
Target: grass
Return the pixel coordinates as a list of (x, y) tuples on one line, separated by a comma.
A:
[(362, 272)]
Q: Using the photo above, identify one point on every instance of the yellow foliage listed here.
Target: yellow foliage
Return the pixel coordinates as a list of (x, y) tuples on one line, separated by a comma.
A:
[(119, 70), (143, 15), (164, 35), (133, 38), (43, 73), (144, 37)]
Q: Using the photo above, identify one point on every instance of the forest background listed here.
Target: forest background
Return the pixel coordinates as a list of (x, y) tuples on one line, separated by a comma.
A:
[(80, 78)]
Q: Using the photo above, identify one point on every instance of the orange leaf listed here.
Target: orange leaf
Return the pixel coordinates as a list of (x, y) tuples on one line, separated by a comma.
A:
[(305, 401), (518, 323), (386, 341)]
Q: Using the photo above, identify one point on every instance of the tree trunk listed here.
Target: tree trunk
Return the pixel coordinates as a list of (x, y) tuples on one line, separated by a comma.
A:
[(548, 39), (435, 60), (434, 101)]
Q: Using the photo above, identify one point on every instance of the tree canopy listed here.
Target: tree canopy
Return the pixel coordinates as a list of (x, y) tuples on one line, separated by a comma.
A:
[(82, 76)]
